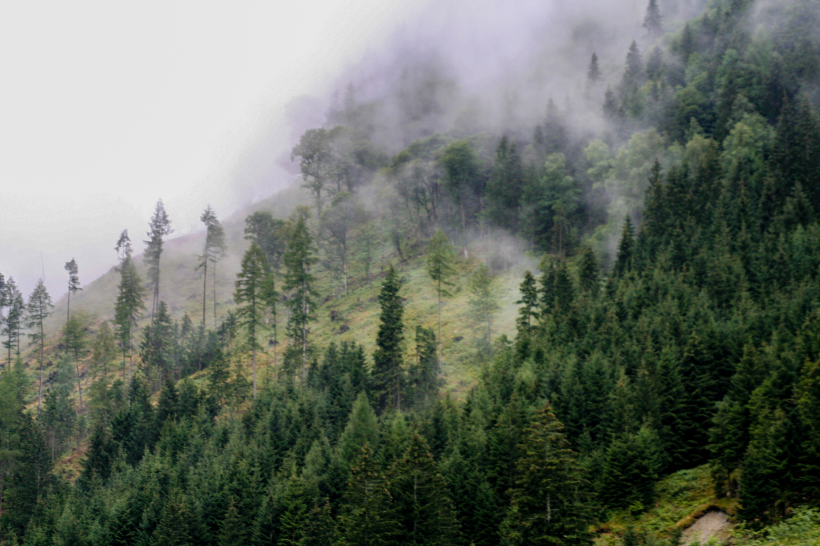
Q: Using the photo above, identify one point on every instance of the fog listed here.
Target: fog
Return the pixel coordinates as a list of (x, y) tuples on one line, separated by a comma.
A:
[(107, 107)]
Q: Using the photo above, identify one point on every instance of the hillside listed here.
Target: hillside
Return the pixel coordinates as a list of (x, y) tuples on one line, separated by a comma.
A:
[(648, 255)]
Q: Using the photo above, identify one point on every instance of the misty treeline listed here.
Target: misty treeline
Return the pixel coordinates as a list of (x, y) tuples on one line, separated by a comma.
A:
[(672, 322)]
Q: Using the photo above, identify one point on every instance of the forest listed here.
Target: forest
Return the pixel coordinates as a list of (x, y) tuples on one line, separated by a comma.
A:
[(663, 231)]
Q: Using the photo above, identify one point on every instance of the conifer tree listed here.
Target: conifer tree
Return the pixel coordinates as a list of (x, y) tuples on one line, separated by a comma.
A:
[(388, 375), (549, 505), (250, 297), (159, 227), (299, 259), (594, 71), (425, 379), (420, 498), (588, 271), (367, 517), (652, 21), (129, 300), (528, 311), (212, 252), (439, 261), (73, 284), (483, 302), (38, 310), (623, 260), (156, 348), (633, 73), (12, 324)]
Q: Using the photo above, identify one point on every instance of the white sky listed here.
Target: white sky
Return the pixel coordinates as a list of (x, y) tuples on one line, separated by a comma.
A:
[(106, 107)]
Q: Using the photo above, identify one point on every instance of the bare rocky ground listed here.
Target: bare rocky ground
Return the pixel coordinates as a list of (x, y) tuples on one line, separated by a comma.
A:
[(712, 524)]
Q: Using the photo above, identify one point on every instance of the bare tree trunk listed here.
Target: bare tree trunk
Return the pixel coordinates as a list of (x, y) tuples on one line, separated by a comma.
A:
[(439, 324), (204, 291)]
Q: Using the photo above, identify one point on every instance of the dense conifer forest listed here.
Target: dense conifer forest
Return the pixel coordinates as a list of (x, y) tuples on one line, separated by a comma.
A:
[(668, 319)]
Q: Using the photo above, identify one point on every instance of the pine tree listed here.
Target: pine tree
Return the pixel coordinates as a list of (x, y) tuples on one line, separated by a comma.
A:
[(38, 310), (425, 379), (388, 375), (624, 258), (652, 21), (593, 72), (250, 298), (159, 227), (367, 517), (588, 271), (129, 300), (420, 498), (299, 259), (549, 503), (528, 311), (73, 284), (439, 261), (13, 322), (212, 252), (156, 348), (483, 303), (633, 74)]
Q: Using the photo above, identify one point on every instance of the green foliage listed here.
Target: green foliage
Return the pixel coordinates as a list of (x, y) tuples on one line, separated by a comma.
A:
[(388, 373)]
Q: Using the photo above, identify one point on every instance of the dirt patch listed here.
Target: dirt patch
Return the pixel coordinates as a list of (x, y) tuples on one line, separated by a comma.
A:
[(712, 524)]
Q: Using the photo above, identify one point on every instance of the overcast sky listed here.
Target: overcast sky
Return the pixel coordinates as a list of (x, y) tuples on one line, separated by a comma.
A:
[(106, 107)]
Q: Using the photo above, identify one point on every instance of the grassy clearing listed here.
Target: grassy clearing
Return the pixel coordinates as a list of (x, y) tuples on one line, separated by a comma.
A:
[(681, 498)]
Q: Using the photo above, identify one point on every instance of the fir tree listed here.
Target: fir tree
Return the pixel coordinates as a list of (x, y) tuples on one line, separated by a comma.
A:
[(129, 300), (299, 260), (652, 21), (483, 303), (623, 260), (528, 311), (439, 261), (73, 284), (388, 375), (212, 252), (159, 228), (588, 271), (250, 297), (422, 505), (12, 324), (549, 503), (368, 517), (38, 310), (593, 72)]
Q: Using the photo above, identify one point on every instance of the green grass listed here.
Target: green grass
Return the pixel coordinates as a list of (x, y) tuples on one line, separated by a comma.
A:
[(358, 311)]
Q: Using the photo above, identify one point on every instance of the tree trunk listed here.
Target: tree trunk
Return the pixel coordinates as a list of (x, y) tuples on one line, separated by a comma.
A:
[(204, 291), (439, 324)]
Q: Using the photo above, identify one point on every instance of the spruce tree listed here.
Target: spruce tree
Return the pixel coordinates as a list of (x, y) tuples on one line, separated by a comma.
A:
[(439, 261), (483, 303), (129, 300), (212, 252), (588, 271), (367, 517), (38, 310), (159, 228), (549, 505), (652, 21), (73, 284), (299, 259), (13, 321), (388, 375), (249, 295), (594, 71), (624, 258), (156, 348), (528, 311), (420, 498)]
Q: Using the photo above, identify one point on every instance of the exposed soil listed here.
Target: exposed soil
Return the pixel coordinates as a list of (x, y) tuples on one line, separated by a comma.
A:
[(712, 524)]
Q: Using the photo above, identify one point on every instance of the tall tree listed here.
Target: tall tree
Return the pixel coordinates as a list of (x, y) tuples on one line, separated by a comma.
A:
[(440, 258), (12, 324), (212, 252), (39, 308), (652, 21), (73, 284), (299, 259), (548, 504), (159, 227), (129, 300), (483, 302), (594, 71), (270, 234), (464, 180), (249, 297), (388, 375), (75, 341), (343, 215), (157, 347)]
